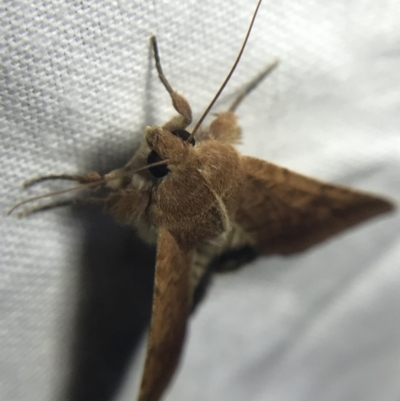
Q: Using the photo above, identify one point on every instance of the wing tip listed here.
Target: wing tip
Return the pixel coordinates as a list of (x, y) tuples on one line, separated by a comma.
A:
[(382, 205)]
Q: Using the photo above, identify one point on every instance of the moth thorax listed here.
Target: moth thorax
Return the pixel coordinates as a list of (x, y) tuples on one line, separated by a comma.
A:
[(221, 168)]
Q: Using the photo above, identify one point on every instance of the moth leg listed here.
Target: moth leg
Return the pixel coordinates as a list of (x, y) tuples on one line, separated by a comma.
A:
[(180, 104), (81, 178), (225, 126), (252, 85), (57, 204)]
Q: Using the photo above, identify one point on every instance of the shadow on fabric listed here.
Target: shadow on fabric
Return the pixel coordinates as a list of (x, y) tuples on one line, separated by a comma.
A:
[(115, 280)]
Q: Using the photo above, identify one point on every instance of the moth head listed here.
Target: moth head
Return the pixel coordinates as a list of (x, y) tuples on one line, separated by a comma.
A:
[(168, 145)]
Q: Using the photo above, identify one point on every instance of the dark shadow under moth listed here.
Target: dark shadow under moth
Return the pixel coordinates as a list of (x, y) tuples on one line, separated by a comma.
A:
[(200, 201)]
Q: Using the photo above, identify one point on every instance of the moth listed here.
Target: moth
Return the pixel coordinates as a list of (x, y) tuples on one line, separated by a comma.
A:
[(192, 194)]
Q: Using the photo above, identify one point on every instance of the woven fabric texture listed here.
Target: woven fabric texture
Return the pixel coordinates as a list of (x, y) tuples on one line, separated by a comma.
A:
[(78, 87)]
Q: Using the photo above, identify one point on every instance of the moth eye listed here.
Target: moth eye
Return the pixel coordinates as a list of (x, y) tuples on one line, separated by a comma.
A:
[(156, 171), (183, 134)]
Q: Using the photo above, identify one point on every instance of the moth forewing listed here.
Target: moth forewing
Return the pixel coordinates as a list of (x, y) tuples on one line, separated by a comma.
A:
[(171, 307), (285, 212)]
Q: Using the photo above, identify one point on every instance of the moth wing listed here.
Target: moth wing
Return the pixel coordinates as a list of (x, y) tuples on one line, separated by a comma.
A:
[(284, 212), (171, 307)]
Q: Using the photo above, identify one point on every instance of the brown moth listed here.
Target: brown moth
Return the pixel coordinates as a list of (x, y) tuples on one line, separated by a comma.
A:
[(196, 197)]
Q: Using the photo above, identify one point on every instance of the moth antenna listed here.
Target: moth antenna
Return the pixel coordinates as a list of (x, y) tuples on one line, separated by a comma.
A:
[(197, 126), (81, 178), (252, 85), (62, 191), (35, 181), (58, 203), (102, 181)]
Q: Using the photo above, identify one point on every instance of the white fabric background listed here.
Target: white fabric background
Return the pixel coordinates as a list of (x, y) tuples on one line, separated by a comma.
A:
[(77, 82)]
